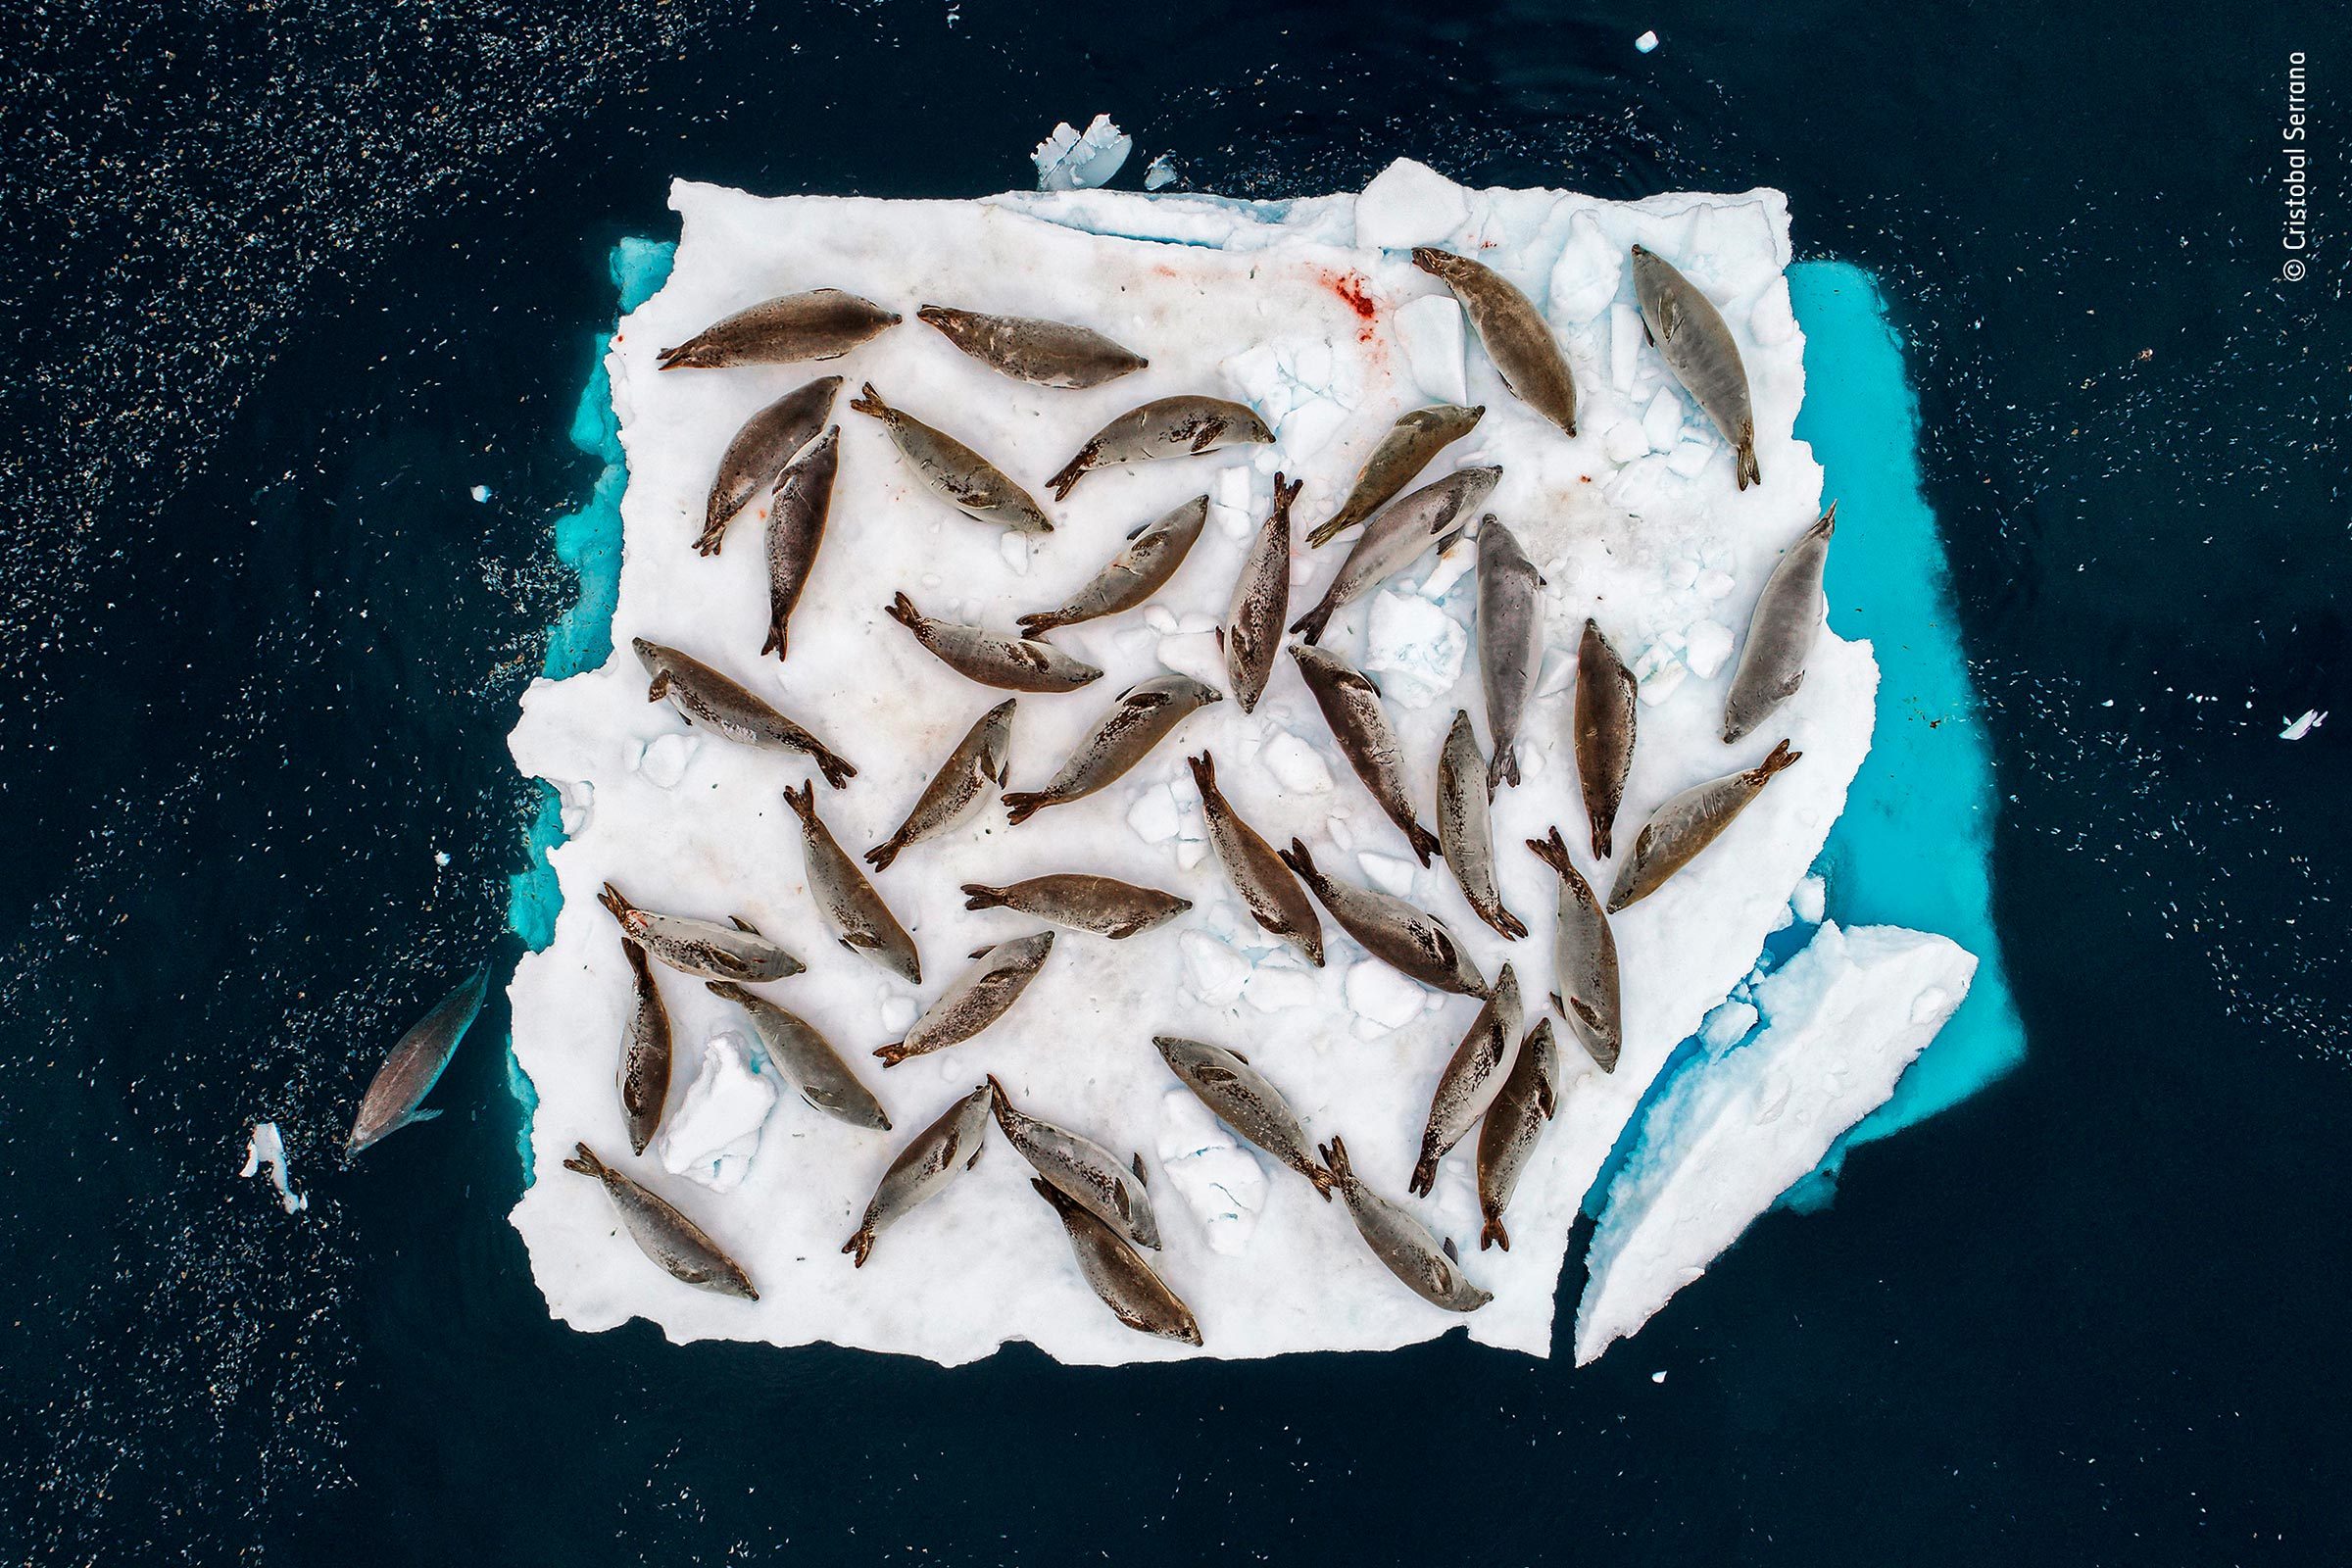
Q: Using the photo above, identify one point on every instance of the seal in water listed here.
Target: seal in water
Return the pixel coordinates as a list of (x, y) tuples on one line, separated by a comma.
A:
[(1398, 1241), (847, 899), (1406, 939), (708, 700), (954, 795), (415, 1064), (931, 1159), (1008, 663), (1139, 721), (1240, 1097), (1164, 427), (1512, 1127), (1412, 442), (1431, 515), (1350, 702), (1514, 333), (1256, 871), (1604, 733), (953, 472), (1781, 634), (1252, 631), (806, 1060), (980, 996), (769, 441), (1471, 1079), (1688, 823), (1027, 348), (1697, 347), (1155, 550), (1584, 959), (664, 1235), (823, 324), (1465, 826), (1105, 906)]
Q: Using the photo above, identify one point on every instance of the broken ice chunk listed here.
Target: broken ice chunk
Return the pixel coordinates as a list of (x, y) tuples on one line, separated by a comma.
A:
[(1645, 43), (1408, 204), (1625, 344), (1341, 833), (1809, 899), (1273, 989), (1195, 654), (1726, 1026), (1156, 817), (1215, 972), (1690, 458), (1662, 424), (1381, 996), (1589, 273), (481, 492), (1388, 874), (1190, 853), (1557, 674), (1296, 765), (1450, 570), (897, 1014), (1070, 160), (1659, 672), (2297, 728), (1430, 331), (1160, 173), (712, 1135), (1416, 647), (1220, 1181), (1714, 583), (1625, 442), (1705, 646), (267, 1151), (1771, 321)]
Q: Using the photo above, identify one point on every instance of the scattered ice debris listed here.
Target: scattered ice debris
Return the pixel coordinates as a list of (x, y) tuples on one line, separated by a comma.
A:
[(1070, 160), (1430, 331), (711, 1135), (1296, 765), (1160, 173), (441, 858), (1810, 900), (1410, 204), (480, 491), (1382, 998), (265, 1151), (1221, 1180), (2297, 728), (1301, 388), (1738, 1126), (1706, 644), (663, 761), (1645, 43), (1414, 649)]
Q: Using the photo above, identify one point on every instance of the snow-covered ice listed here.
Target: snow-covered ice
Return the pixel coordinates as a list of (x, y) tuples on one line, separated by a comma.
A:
[(265, 1151), (1744, 1123), (1210, 290)]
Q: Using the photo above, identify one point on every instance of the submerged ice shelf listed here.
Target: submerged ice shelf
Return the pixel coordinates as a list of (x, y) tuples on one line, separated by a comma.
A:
[(1654, 541)]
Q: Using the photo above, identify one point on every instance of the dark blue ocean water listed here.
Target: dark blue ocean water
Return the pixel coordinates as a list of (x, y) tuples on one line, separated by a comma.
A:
[(284, 281)]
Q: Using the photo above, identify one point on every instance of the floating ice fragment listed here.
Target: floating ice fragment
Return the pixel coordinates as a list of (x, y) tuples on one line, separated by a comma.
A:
[(1217, 972), (1645, 43), (267, 1151), (1654, 1377), (1070, 160), (1388, 874), (1705, 646), (663, 761), (481, 492), (441, 858), (712, 1135), (1430, 331), (1416, 647), (1220, 1181), (1726, 1026), (1410, 204), (1809, 899), (1160, 173), (2297, 728), (1296, 765), (1381, 996)]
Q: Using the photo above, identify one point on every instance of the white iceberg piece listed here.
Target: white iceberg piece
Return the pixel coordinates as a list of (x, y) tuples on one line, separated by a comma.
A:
[(2297, 728), (1413, 649), (691, 822), (480, 491), (710, 1135), (1410, 204), (265, 1151), (1734, 1131), (1662, 424), (1160, 173), (1645, 43), (1430, 331), (1221, 1180), (1070, 161)]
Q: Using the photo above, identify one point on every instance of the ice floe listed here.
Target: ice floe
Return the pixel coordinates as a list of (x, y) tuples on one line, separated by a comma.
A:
[(266, 1152)]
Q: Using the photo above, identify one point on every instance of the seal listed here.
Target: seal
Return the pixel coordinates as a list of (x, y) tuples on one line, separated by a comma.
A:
[(1697, 347), (415, 1063), (736, 951), (1512, 1128), (644, 1053), (662, 1234), (1261, 597), (932, 1160), (1510, 641), (1781, 634), (822, 324), (1240, 1097), (1140, 720), (1584, 959), (1164, 427), (1465, 826), (955, 792), (980, 996), (1275, 900), (767, 441), (1403, 1247), (1396, 538), (805, 1060), (1116, 1272), (1406, 939), (1524, 351), (848, 903), (1606, 717), (796, 527), (1472, 1078), (1102, 904), (1350, 702), (1688, 823), (1027, 348), (708, 700), (1155, 550), (1008, 663), (1410, 445), (1083, 1169), (953, 472)]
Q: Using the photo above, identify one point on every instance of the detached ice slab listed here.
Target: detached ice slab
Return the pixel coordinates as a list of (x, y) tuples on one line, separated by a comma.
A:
[(1735, 1129), (1654, 546)]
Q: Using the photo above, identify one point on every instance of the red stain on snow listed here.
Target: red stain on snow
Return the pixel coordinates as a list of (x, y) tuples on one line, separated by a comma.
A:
[(1352, 288)]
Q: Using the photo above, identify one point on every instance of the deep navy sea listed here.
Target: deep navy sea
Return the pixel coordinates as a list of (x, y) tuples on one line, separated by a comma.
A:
[(284, 281)]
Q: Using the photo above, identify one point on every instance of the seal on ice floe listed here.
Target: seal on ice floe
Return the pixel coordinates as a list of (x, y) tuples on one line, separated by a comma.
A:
[(1688, 823), (1139, 721), (1782, 632), (1164, 427), (1514, 332), (1028, 349), (931, 1159), (662, 1234), (1697, 347), (1401, 1242), (823, 324)]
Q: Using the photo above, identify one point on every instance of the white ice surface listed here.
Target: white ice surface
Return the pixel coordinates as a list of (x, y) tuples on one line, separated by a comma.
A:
[(1733, 1130), (265, 1151), (713, 1132), (1198, 284)]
